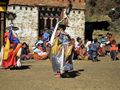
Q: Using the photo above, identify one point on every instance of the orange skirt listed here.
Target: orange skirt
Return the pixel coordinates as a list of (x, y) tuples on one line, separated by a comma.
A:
[(40, 57)]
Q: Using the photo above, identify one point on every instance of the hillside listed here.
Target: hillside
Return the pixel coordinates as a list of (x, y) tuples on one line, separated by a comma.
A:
[(98, 10)]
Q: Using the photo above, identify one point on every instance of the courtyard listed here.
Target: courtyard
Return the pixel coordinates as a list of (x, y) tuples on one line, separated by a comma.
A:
[(87, 75)]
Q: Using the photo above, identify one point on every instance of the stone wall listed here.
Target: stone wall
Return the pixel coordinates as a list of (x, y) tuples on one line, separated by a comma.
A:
[(26, 21), (76, 23)]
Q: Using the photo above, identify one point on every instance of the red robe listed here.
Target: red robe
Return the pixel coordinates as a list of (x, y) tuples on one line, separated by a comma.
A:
[(11, 61)]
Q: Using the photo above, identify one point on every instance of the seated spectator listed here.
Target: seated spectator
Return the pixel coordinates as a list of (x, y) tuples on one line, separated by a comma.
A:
[(46, 35), (94, 50), (82, 52), (102, 42), (40, 52), (25, 52), (87, 47), (77, 46)]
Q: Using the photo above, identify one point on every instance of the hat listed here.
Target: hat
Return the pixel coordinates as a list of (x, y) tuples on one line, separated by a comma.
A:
[(39, 42), (64, 23)]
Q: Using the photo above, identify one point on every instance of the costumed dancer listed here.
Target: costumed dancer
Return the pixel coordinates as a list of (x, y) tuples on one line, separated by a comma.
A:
[(11, 50), (61, 50)]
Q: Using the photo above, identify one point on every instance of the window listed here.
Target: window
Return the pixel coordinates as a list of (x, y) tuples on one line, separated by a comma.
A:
[(60, 9), (31, 8), (13, 7), (73, 11), (26, 8), (50, 9), (43, 8), (79, 12), (20, 7), (40, 8)]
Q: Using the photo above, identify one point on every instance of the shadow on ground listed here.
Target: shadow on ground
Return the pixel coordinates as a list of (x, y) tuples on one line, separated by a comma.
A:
[(72, 74), (23, 67)]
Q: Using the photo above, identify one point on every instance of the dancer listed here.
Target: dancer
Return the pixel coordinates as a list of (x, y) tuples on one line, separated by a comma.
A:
[(61, 51), (11, 51)]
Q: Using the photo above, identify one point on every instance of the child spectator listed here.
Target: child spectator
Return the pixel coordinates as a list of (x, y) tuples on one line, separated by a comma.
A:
[(79, 42), (113, 50)]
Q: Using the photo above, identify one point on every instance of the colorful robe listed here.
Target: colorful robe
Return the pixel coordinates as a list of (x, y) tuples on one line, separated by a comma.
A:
[(61, 54), (11, 49)]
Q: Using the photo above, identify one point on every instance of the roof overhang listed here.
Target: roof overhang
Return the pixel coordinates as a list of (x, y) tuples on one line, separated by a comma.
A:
[(3, 5)]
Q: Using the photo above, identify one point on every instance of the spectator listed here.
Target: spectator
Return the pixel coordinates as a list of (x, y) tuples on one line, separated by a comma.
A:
[(40, 52), (82, 52), (77, 47), (94, 50), (25, 52), (87, 47), (113, 50), (102, 42)]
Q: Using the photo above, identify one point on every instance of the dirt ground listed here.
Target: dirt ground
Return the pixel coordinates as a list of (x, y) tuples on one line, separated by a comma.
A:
[(87, 75)]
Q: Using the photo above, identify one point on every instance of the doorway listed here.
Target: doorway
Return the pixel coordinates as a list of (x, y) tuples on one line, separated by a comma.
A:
[(88, 31)]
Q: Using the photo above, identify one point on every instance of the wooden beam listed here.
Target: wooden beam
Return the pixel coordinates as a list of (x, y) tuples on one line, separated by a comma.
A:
[(2, 27)]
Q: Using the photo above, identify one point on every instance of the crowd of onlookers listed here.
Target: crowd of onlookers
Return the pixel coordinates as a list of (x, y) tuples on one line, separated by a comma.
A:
[(41, 50), (88, 50), (104, 45)]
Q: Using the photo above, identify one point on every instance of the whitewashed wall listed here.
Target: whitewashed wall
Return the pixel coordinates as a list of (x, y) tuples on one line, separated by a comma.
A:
[(26, 21), (76, 21)]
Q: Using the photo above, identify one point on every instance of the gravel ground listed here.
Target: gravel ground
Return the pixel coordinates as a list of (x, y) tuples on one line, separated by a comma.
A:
[(87, 75)]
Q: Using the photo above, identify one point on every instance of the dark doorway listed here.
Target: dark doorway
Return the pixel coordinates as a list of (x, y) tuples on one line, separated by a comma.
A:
[(91, 26), (88, 31)]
